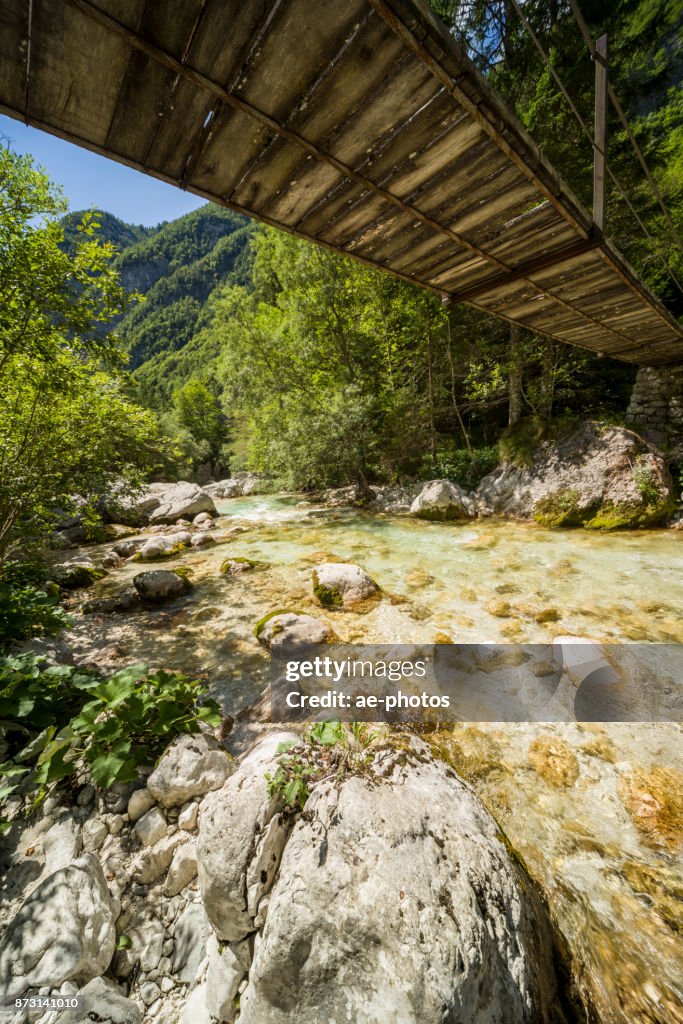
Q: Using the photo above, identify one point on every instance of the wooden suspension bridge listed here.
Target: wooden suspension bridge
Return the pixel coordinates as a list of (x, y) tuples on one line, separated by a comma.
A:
[(360, 125)]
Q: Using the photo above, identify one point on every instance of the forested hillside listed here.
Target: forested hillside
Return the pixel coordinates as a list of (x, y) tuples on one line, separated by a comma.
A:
[(173, 268)]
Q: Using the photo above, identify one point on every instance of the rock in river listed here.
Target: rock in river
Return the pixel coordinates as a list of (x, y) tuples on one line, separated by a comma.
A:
[(160, 585), (283, 630), (181, 500), (342, 584), (441, 500), (599, 477)]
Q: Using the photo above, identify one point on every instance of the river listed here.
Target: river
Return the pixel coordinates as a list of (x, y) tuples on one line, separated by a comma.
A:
[(594, 811)]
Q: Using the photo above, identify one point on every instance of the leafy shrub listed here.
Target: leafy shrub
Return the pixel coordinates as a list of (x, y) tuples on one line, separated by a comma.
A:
[(646, 483), (62, 721), (343, 752), (27, 611), (463, 467)]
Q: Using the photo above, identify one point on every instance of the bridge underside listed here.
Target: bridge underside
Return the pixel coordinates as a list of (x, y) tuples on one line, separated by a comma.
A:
[(359, 125)]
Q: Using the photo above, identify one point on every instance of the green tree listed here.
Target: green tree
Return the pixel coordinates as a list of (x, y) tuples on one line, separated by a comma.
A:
[(67, 429), (197, 410), (51, 300), (67, 426)]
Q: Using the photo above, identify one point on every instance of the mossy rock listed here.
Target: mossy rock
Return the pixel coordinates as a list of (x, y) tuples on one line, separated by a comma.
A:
[(162, 555), (261, 624), (562, 510), (77, 575), (440, 515), (329, 597), (234, 566), (559, 510), (631, 516)]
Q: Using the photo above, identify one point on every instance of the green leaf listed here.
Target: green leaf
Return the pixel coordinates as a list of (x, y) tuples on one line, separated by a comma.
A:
[(327, 733), (286, 745)]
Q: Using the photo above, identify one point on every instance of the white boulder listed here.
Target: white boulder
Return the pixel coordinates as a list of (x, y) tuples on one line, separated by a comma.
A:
[(396, 899), (190, 767), (181, 500), (289, 629), (342, 584), (231, 832), (441, 500), (64, 931)]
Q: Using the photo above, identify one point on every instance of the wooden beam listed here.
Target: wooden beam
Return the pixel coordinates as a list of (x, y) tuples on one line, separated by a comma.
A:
[(552, 259)]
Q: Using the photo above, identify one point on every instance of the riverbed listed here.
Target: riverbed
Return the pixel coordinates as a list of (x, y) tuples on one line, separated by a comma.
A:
[(593, 810)]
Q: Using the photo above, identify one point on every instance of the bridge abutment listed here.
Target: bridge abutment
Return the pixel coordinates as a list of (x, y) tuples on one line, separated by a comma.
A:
[(657, 400)]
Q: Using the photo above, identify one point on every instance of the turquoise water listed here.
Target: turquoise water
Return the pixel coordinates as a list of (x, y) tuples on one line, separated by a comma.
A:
[(591, 842), (479, 581)]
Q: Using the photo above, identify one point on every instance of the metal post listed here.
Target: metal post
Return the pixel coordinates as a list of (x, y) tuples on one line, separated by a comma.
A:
[(600, 132)]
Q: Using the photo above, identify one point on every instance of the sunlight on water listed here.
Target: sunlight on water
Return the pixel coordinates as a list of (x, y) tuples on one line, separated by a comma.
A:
[(594, 811)]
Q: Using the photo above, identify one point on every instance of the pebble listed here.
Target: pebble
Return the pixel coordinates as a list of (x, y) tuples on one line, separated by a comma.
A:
[(149, 992), (115, 823), (167, 948), (187, 818), (167, 984), (151, 827), (94, 833), (86, 795), (140, 802)]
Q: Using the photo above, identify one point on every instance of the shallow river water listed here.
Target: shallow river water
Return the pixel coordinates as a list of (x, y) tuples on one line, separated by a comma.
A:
[(594, 811)]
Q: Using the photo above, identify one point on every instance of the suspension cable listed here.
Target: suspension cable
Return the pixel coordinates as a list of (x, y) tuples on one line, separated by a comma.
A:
[(589, 136), (583, 29)]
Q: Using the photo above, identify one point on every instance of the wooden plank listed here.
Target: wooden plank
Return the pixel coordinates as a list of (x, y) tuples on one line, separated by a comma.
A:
[(397, 145), (68, 55), (14, 52), (271, 79)]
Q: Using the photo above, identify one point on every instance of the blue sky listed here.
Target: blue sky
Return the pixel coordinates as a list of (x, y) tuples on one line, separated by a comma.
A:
[(89, 180)]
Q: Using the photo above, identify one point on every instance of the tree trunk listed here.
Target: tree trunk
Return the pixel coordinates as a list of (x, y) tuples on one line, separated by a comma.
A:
[(515, 376), (547, 377)]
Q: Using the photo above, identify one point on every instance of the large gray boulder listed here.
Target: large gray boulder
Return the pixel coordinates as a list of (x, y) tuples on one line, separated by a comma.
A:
[(240, 829), (342, 585), (159, 585), (191, 766), (441, 500), (597, 477), (392, 897), (222, 489), (181, 501), (63, 932)]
